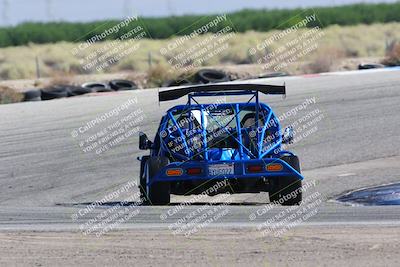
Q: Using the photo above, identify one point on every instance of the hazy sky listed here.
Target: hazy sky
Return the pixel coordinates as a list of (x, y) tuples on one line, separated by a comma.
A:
[(16, 11)]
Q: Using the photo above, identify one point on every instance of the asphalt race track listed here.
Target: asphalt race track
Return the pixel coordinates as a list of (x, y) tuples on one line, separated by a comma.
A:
[(46, 177)]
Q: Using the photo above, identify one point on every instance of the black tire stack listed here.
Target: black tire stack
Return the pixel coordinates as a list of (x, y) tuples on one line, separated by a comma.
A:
[(33, 95), (211, 76), (368, 66), (97, 87), (203, 76), (54, 92), (60, 91), (121, 85)]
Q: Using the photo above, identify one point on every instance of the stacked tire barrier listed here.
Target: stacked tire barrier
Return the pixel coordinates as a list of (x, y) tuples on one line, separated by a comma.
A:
[(211, 76), (203, 76), (61, 91), (367, 66), (33, 95)]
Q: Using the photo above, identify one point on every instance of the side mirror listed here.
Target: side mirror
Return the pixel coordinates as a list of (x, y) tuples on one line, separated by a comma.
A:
[(287, 137), (144, 142)]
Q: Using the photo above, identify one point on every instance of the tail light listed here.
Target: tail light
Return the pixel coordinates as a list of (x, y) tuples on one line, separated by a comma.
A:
[(174, 172), (254, 168), (274, 167), (194, 171)]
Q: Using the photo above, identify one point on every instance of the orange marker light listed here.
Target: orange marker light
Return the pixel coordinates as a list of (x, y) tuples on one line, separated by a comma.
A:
[(174, 172), (274, 167)]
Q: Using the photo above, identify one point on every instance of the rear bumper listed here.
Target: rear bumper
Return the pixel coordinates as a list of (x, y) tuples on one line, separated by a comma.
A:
[(238, 169)]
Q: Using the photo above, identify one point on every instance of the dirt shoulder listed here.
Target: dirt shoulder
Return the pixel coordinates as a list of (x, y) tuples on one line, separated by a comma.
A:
[(303, 246)]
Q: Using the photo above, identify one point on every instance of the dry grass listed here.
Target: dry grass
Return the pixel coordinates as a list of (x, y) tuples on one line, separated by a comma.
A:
[(9, 95), (57, 60), (60, 80), (158, 74), (393, 55), (324, 60)]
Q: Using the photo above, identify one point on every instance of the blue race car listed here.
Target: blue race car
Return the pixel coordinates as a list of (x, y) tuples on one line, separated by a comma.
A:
[(237, 146)]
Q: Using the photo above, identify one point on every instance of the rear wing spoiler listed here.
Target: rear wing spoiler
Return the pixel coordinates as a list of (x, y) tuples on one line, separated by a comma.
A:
[(220, 89)]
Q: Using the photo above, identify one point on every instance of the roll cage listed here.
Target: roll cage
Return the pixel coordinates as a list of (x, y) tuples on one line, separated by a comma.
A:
[(245, 141)]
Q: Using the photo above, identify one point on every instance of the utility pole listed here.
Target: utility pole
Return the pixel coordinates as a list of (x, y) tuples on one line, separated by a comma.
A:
[(37, 67)]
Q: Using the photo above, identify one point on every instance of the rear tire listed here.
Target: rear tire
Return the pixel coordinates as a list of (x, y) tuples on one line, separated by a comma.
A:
[(287, 190), (157, 193)]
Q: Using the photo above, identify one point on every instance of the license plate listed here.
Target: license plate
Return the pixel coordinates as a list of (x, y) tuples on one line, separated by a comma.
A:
[(221, 169)]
